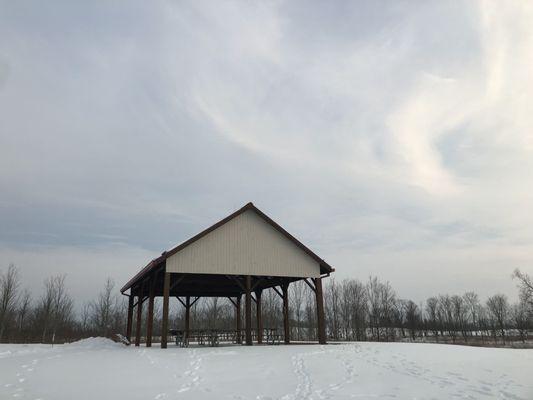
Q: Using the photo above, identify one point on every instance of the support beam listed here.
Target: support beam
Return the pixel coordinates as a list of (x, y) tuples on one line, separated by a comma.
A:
[(181, 301), (259, 316), (277, 291), (139, 317), (150, 321), (248, 311), (139, 300), (164, 324), (130, 318), (187, 317), (313, 287), (194, 301), (238, 319), (286, 327), (321, 326)]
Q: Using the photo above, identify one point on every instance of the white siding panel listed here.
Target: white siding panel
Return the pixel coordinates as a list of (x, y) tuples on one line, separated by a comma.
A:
[(245, 245)]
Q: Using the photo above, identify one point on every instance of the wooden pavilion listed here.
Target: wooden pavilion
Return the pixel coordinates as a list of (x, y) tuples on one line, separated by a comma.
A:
[(243, 254)]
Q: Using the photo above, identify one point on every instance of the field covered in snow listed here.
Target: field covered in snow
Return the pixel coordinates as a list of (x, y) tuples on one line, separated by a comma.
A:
[(98, 369)]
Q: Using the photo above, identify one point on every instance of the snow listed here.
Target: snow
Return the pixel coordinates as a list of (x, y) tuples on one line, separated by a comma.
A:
[(100, 369)]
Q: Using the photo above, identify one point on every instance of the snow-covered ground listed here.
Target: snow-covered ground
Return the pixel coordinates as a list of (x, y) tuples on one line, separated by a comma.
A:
[(98, 369)]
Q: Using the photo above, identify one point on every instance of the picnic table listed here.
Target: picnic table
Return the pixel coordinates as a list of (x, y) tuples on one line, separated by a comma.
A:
[(203, 337), (212, 337)]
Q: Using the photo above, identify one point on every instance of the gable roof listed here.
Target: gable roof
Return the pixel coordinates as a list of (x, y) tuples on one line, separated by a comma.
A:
[(325, 268)]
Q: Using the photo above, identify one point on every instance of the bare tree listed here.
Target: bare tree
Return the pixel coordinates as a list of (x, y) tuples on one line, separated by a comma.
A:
[(9, 284), (525, 284), (346, 306), (413, 317), (399, 315), (498, 308), (23, 310), (85, 317), (445, 315), (473, 306), (296, 298), (382, 300), (45, 309), (388, 301), (332, 300), (433, 316), (212, 312), (271, 309), (310, 315), (103, 308), (55, 307), (483, 322), (520, 319), (374, 301), (357, 293), (62, 305), (460, 313)]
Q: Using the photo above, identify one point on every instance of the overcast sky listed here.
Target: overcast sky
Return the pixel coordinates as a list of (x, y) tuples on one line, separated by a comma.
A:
[(393, 138)]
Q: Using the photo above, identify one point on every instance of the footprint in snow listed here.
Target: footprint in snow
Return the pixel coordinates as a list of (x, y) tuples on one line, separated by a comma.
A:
[(510, 395), (335, 386)]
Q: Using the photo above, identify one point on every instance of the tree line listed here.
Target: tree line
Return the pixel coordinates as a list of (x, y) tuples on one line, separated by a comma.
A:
[(373, 311), (355, 310)]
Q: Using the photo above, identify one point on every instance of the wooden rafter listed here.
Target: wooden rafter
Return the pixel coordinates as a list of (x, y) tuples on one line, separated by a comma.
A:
[(237, 280), (313, 288), (142, 301), (174, 284), (233, 301), (181, 301), (277, 291), (194, 301), (256, 283), (185, 304)]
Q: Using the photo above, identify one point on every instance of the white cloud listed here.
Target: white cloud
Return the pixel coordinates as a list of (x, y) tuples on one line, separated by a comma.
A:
[(369, 131)]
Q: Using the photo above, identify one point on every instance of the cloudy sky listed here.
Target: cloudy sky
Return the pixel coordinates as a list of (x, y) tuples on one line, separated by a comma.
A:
[(394, 138)]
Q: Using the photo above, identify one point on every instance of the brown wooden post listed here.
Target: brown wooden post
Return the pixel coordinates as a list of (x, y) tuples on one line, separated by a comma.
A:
[(164, 324), (139, 316), (238, 319), (321, 326), (187, 317), (150, 322), (286, 327), (130, 317), (259, 317), (248, 311)]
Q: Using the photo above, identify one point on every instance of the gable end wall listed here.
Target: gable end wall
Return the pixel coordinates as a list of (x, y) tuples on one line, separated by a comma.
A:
[(245, 245)]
